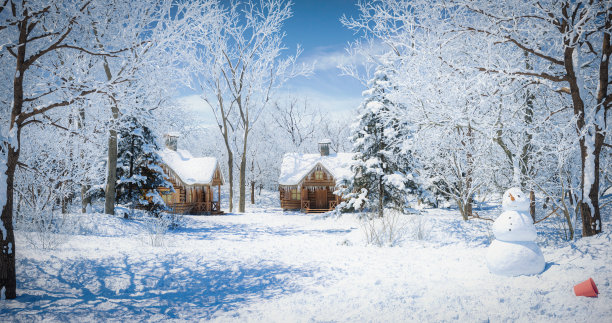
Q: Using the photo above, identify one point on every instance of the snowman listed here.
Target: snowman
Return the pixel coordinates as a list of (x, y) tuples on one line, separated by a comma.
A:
[(514, 251)]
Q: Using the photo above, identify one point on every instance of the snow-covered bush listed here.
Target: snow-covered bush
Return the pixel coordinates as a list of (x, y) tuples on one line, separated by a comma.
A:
[(389, 230), (419, 228), (157, 227), (43, 194), (46, 229)]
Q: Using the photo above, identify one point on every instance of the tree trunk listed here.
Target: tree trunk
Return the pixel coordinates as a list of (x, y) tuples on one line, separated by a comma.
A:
[(467, 207), (242, 200), (589, 204), (591, 217), (85, 198), (8, 277), (243, 166), (111, 174), (230, 162), (380, 197), (532, 205), (464, 208), (252, 192), (64, 202)]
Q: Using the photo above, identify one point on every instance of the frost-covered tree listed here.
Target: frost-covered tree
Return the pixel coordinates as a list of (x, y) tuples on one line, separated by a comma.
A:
[(58, 54), (569, 41), (45, 44), (138, 167), (448, 108), (378, 168)]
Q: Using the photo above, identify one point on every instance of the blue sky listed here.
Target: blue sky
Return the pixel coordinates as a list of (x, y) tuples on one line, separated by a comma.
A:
[(316, 27)]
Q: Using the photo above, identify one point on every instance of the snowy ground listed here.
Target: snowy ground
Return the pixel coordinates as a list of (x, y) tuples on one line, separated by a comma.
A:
[(267, 265)]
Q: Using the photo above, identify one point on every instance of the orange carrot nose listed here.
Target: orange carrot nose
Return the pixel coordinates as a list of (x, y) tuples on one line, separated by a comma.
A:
[(511, 197)]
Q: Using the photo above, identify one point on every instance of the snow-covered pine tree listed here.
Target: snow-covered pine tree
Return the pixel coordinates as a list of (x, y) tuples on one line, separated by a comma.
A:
[(382, 165), (138, 168)]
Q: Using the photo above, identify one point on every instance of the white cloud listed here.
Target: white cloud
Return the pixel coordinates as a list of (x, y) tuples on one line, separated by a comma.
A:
[(331, 60), (326, 58), (196, 108), (334, 106)]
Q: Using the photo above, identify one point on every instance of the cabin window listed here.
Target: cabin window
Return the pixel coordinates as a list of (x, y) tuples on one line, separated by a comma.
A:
[(295, 194), (167, 197), (318, 175)]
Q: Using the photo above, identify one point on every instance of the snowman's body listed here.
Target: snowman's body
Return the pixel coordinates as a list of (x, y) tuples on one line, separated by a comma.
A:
[(514, 252)]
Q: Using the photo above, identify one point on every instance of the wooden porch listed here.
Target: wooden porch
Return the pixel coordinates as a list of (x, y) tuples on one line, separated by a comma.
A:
[(311, 201), (306, 207), (196, 208)]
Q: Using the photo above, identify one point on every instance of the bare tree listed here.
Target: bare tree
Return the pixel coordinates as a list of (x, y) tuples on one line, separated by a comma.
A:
[(239, 67), (338, 132), (298, 121), (36, 31), (56, 48)]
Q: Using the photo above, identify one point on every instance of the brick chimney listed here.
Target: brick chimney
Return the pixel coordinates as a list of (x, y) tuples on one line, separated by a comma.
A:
[(171, 139), (324, 147)]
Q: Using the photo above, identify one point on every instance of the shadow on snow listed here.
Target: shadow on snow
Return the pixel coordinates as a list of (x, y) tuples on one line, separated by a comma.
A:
[(209, 231), (126, 288)]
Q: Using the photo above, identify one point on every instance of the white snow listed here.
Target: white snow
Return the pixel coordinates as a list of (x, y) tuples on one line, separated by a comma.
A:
[(274, 266), (295, 167), (3, 230), (191, 170), (589, 170)]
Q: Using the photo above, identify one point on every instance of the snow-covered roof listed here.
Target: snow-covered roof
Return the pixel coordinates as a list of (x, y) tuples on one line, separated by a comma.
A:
[(296, 166), (191, 170), (325, 141)]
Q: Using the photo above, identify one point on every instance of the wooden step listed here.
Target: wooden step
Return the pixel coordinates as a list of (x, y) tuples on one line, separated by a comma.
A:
[(317, 210)]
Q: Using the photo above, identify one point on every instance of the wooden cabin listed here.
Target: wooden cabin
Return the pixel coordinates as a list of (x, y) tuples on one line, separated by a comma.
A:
[(197, 181), (307, 181)]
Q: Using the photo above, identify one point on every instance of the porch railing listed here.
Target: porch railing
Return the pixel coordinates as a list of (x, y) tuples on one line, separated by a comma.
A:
[(194, 208)]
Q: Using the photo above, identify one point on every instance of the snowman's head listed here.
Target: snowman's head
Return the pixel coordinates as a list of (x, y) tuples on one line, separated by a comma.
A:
[(515, 200)]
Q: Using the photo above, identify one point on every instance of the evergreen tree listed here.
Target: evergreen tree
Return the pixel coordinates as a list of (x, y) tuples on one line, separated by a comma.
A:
[(138, 168), (381, 172)]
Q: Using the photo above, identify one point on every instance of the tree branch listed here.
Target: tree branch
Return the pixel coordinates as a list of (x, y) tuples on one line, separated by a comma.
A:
[(546, 217), (476, 216), (518, 44)]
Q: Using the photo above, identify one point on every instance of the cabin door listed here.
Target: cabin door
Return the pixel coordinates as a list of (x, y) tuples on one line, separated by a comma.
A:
[(321, 199)]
